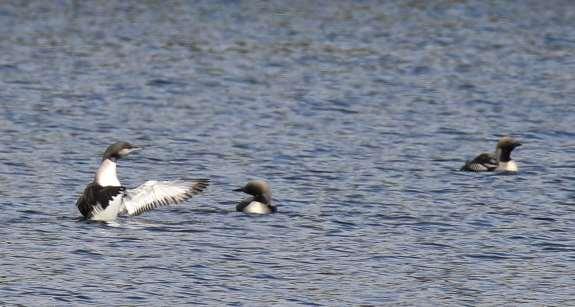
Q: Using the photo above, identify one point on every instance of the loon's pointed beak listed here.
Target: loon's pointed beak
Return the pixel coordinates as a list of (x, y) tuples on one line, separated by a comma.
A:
[(126, 151), (239, 190), (518, 144)]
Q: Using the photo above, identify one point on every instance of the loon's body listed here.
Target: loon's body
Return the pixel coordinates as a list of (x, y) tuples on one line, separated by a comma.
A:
[(261, 200), (498, 161), (484, 162), (105, 198)]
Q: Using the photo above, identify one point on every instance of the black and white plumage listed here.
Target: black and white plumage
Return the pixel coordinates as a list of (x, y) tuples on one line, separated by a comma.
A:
[(498, 161), (105, 198), (261, 200), (484, 162)]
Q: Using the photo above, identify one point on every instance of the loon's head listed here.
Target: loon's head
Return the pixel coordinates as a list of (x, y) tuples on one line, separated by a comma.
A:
[(119, 150), (258, 189), (504, 147), (508, 142)]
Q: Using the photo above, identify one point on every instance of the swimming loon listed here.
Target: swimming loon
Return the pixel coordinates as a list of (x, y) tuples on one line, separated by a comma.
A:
[(261, 202), (105, 198), (498, 161)]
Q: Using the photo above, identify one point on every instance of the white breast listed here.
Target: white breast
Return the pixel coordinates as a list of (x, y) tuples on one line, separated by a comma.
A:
[(509, 166), (106, 174), (257, 207)]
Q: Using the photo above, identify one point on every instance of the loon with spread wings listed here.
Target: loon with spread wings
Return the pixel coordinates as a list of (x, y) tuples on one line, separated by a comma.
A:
[(105, 198)]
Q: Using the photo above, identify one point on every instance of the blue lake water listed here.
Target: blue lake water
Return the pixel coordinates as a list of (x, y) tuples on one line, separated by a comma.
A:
[(359, 115)]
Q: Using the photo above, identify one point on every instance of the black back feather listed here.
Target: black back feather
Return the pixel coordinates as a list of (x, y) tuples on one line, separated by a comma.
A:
[(243, 204), (484, 162), (96, 195)]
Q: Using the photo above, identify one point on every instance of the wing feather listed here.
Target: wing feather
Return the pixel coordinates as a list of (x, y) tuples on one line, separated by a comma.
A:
[(154, 194)]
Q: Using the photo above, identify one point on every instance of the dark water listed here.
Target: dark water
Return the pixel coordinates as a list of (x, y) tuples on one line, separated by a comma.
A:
[(358, 113)]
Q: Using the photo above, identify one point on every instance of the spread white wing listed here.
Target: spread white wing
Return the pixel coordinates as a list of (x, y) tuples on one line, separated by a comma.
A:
[(153, 194)]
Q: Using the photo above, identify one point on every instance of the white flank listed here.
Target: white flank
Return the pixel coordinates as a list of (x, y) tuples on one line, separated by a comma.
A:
[(106, 175), (111, 212)]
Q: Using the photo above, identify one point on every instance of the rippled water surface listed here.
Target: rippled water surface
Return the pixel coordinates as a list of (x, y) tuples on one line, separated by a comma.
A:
[(358, 113)]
